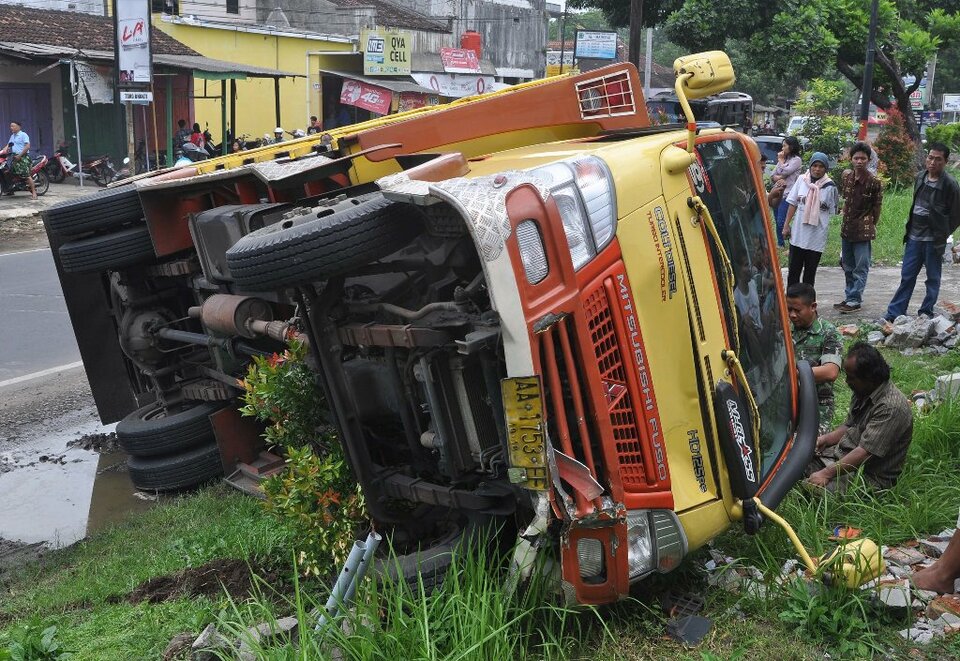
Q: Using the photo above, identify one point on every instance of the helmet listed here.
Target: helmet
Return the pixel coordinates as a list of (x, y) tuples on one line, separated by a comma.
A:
[(278, 130)]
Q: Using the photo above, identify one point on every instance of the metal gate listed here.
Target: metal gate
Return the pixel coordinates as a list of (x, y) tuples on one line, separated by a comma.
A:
[(28, 103)]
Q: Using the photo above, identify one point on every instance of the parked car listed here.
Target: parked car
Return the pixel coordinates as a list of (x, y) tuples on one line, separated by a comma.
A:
[(770, 146), (519, 318)]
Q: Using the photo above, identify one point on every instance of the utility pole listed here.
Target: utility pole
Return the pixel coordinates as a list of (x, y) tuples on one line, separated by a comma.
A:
[(867, 87), (636, 30)]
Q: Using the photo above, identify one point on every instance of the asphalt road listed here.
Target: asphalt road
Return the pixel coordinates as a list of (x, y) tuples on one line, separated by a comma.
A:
[(34, 326)]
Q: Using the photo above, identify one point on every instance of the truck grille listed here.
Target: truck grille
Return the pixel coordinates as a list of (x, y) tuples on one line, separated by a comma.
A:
[(626, 433)]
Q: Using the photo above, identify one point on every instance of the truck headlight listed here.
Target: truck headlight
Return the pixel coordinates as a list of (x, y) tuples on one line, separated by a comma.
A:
[(582, 189), (655, 541), (532, 253), (596, 188)]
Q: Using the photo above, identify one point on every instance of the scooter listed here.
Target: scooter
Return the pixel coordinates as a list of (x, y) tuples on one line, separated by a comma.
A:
[(41, 182), (99, 169), (190, 153)]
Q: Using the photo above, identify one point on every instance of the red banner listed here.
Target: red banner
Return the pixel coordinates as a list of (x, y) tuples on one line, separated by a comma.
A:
[(459, 60), (369, 97)]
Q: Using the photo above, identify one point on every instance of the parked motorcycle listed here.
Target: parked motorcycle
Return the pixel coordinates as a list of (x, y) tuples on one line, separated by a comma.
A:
[(41, 182), (143, 163), (124, 171), (190, 153), (100, 169)]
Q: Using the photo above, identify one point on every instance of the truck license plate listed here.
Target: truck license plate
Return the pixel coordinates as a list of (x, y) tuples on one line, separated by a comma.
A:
[(526, 431)]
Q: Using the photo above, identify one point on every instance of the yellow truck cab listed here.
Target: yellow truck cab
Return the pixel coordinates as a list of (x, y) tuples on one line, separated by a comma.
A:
[(581, 339)]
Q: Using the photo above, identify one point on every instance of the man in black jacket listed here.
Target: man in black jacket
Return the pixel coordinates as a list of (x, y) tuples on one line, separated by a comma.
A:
[(934, 217)]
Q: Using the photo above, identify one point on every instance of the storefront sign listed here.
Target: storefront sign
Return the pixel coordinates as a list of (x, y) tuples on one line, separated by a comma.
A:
[(951, 102), (931, 117), (414, 100), (595, 45), (455, 84), (136, 97), (386, 52), (459, 60), (369, 97), (132, 39)]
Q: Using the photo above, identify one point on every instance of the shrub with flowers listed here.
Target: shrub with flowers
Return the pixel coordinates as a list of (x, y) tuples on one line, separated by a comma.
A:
[(315, 496), (897, 150)]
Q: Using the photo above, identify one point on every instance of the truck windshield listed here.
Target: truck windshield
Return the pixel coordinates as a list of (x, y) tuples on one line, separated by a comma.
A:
[(730, 195)]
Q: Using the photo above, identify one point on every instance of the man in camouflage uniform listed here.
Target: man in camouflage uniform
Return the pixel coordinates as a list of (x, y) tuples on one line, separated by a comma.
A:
[(818, 342)]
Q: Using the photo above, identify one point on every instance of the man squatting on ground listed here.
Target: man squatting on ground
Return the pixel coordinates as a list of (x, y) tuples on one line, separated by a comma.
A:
[(876, 433), (934, 216), (818, 342), (862, 200)]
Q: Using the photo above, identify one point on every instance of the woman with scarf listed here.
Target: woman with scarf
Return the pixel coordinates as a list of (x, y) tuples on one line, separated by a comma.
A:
[(813, 199), (784, 177)]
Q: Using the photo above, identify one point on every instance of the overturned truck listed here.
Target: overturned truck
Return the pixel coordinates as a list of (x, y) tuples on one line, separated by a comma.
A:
[(530, 308)]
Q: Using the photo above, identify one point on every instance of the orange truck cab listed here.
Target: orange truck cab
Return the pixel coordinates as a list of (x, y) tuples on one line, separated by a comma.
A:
[(532, 309)]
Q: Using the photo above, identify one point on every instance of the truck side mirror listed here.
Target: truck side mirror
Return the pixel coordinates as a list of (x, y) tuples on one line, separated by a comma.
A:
[(704, 74)]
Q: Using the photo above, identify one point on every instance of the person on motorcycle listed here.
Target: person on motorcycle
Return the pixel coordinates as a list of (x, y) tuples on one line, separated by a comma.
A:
[(18, 162), (278, 135), (197, 137)]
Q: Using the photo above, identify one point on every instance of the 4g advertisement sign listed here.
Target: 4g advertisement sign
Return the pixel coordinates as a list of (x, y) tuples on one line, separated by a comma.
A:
[(385, 52), (132, 43)]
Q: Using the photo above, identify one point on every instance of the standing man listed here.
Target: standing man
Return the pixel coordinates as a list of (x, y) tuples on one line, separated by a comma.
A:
[(862, 199), (18, 160), (876, 433), (935, 215), (818, 342)]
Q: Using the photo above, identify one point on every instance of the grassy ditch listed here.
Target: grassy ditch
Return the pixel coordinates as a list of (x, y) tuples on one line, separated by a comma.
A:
[(97, 595)]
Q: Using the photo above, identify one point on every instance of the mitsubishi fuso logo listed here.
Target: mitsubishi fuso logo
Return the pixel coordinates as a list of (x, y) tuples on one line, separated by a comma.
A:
[(740, 436)]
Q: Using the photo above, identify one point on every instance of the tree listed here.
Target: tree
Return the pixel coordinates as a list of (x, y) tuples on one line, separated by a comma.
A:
[(801, 39)]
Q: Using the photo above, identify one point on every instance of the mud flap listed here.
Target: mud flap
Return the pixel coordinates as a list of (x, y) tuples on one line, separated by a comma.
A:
[(734, 424)]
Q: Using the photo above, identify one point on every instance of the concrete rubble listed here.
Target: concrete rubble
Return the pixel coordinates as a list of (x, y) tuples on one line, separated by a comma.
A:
[(932, 615), (913, 335)]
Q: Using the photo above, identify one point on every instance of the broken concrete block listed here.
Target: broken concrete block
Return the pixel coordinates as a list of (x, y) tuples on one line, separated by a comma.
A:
[(947, 603), (208, 643), (941, 324), (849, 330), (265, 631), (934, 546), (947, 386), (754, 588), (946, 620), (924, 596), (875, 337), (178, 646), (903, 556), (920, 633), (951, 341), (895, 596), (902, 320)]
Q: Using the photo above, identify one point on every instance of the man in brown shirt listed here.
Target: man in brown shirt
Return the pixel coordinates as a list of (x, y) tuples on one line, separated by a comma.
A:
[(876, 434), (862, 198)]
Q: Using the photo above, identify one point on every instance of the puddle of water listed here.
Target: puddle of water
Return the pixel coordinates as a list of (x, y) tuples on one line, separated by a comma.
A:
[(70, 494)]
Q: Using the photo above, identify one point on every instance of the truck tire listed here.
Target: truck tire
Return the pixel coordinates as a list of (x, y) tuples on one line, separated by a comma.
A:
[(429, 565), (107, 251), (154, 430), (316, 247), (98, 211), (176, 472)]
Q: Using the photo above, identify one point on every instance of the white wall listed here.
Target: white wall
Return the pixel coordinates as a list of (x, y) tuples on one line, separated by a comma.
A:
[(85, 6)]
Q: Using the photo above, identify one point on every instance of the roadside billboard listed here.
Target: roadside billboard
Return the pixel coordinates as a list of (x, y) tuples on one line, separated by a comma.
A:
[(132, 43), (951, 103), (386, 52), (459, 60), (595, 45), (369, 97)]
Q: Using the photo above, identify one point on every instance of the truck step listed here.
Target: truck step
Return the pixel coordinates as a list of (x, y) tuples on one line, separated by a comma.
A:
[(248, 476)]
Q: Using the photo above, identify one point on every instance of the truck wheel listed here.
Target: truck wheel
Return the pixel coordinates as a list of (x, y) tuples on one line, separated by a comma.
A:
[(176, 472), (429, 565), (326, 242), (107, 251), (154, 430), (98, 211)]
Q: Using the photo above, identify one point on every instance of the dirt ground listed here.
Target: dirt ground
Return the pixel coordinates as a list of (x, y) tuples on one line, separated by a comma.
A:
[(210, 580), (20, 224)]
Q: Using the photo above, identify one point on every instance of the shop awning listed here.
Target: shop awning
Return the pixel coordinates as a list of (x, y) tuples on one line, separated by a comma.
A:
[(393, 84)]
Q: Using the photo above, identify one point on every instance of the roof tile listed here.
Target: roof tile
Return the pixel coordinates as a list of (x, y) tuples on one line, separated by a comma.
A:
[(73, 30)]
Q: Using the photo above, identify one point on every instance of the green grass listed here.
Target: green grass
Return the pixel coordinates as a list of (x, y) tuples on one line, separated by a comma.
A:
[(73, 589), (80, 590)]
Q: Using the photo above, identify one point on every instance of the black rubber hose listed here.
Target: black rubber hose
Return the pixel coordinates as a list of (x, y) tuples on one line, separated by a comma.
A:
[(804, 443)]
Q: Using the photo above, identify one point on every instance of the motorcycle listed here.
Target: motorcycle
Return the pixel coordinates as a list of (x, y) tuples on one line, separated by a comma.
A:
[(124, 171), (41, 182), (100, 169), (190, 153)]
